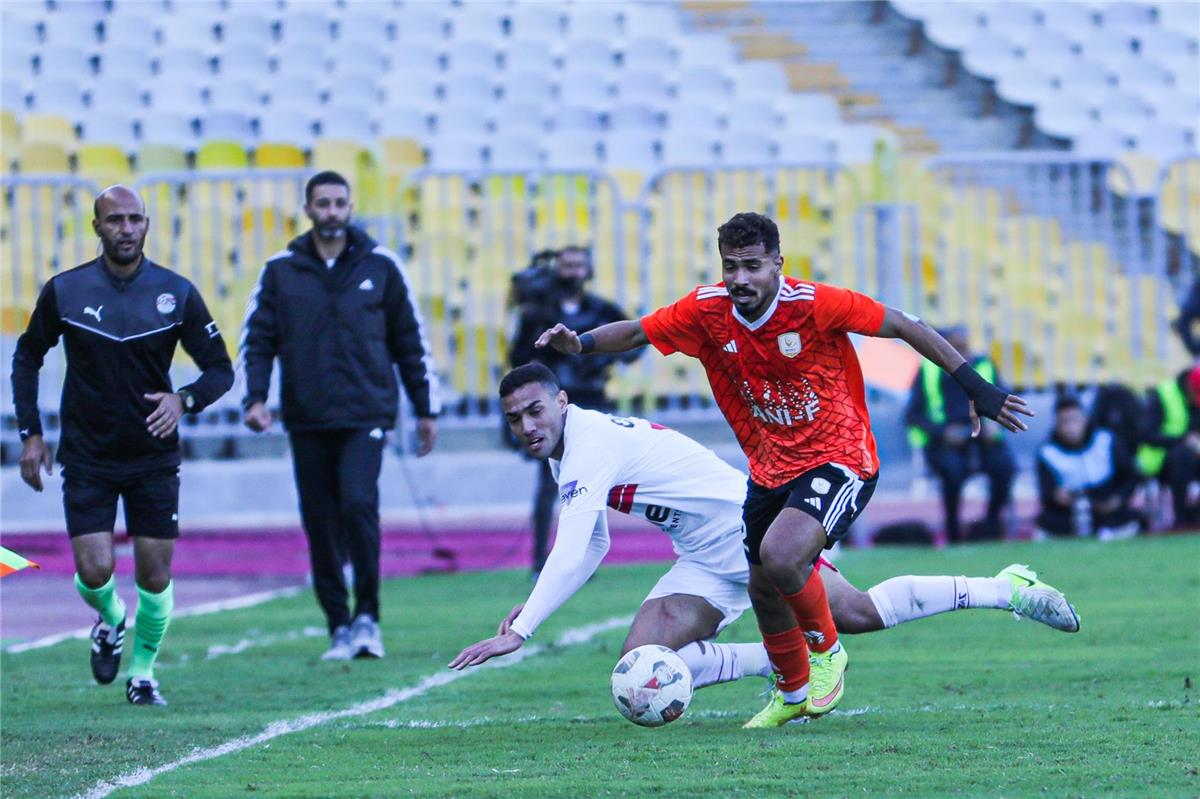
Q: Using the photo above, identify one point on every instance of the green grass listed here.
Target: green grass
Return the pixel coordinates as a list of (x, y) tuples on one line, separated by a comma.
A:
[(965, 704)]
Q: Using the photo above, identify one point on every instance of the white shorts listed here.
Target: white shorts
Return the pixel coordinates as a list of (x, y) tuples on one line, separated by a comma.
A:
[(721, 578)]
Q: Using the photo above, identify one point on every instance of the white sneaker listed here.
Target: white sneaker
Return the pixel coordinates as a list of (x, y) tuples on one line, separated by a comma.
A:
[(1129, 530), (340, 647), (366, 640)]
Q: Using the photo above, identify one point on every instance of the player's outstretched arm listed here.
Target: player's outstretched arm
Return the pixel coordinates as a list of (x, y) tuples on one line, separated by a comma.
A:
[(614, 337), (487, 649), (986, 399)]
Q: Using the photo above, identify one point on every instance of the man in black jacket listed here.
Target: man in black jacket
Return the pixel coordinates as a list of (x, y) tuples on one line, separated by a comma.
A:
[(338, 311), (120, 317), (564, 299), (1086, 477), (939, 419)]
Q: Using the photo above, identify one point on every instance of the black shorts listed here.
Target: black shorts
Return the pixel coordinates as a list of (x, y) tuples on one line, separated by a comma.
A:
[(833, 495), (151, 501)]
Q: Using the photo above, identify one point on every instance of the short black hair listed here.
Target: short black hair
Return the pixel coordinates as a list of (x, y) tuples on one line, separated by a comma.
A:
[(747, 229), (326, 178), (1067, 401), (532, 372)]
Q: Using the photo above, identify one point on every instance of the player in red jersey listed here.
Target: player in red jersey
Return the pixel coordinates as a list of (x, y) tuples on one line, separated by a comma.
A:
[(786, 377)]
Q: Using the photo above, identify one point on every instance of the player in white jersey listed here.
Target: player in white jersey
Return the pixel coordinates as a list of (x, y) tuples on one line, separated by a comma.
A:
[(640, 468)]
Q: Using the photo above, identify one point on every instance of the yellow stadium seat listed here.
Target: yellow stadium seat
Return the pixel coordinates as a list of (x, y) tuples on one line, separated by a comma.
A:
[(401, 154), (357, 164), (277, 155), (221, 155), (104, 164), (161, 158), (44, 157), (49, 129), (10, 135)]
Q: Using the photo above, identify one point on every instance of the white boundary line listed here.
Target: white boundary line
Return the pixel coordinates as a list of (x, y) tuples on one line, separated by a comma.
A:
[(393, 697), (203, 609)]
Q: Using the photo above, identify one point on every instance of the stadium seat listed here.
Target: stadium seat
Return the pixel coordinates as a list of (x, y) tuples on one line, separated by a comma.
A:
[(16, 64), (598, 20), (747, 149), (169, 129), (461, 120), (856, 144), (572, 150), (587, 55), (183, 63), (456, 153), (531, 57), (401, 154), (365, 25), (472, 55), (1139, 74), (404, 121), (43, 157), (634, 117), (247, 24), (10, 134), (568, 118), (461, 88), (113, 93), (228, 125), (104, 164), (287, 126), (190, 24), (153, 158), (1067, 16), (989, 54), (698, 117), (514, 153), (49, 129), (354, 89), (116, 127), (297, 95), (302, 25), (417, 22), (359, 58), (244, 61), (126, 28), (1181, 17), (128, 62), (642, 88), (535, 21), (78, 28), (516, 117), (1125, 15), (1099, 142), (584, 88), (1163, 141), (526, 87), (180, 94), (688, 148), (417, 57), (647, 54), (351, 122), (803, 148), (651, 20), (952, 25), (57, 96), (64, 61), (478, 21), (222, 155)]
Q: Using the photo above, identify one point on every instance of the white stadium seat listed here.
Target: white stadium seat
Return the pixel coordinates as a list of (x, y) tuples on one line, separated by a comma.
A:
[(630, 149), (286, 125), (231, 125), (347, 121), (173, 129), (572, 150), (514, 152)]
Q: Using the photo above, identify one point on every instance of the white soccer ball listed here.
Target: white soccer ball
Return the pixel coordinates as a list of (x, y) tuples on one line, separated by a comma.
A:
[(651, 685)]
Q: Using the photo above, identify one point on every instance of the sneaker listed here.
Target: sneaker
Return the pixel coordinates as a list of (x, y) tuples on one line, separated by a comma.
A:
[(340, 645), (143, 691), (1033, 599), (777, 713), (106, 650), (367, 641), (826, 680)]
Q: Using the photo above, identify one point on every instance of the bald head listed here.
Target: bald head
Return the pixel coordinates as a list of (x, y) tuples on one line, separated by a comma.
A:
[(120, 195), (121, 224)]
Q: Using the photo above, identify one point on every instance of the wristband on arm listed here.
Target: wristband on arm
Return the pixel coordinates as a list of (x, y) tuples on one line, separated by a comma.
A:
[(989, 400), (587, 344)]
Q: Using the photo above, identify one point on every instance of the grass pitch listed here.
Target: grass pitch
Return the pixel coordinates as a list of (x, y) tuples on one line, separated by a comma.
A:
[(964, 704)]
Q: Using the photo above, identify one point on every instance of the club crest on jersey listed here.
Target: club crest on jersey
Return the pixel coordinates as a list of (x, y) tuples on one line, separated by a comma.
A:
[(165, 303), (570, 491), (789, 344)]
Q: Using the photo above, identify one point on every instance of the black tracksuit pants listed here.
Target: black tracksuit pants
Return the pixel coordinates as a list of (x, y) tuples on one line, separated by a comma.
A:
[(337, 478)]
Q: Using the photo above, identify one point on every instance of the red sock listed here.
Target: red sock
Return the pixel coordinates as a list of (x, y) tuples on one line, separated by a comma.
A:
[(789, 656), (811, 608)]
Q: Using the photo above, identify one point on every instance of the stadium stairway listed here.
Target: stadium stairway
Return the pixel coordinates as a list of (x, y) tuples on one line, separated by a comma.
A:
[(858, 52)]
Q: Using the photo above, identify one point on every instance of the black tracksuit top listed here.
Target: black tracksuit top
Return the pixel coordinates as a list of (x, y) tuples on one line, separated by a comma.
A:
[(120, 338), (340, 333)]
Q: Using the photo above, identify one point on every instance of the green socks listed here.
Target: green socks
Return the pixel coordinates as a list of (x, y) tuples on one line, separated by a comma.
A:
[(153, 616), (104, 599)]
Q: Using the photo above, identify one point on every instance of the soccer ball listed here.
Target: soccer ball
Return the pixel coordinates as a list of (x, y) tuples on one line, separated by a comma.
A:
[(651, 685)]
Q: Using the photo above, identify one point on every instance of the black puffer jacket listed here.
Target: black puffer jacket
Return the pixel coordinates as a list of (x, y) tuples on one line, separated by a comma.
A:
[(340, 332)]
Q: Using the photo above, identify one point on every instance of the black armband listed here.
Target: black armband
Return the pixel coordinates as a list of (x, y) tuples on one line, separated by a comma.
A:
[(587, 344), (989, 400)]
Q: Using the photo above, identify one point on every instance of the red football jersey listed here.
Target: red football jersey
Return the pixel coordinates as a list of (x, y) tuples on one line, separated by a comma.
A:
[(789, 383)]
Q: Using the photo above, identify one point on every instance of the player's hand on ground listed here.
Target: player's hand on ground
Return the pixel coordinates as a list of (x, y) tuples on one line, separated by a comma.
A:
[(487, 649), (426, 436), (506, 624), (35, 456), (561, 338), (1006, 416), (257, 417), (165, 418)]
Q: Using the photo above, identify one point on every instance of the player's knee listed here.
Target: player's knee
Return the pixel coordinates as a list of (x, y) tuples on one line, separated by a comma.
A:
[(785, 565), (94, 572), (155, 583), (858, 614), (359, 506)]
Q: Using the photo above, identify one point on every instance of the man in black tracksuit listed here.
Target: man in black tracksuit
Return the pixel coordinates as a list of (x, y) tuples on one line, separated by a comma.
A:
[(338, 312), (120, 318)]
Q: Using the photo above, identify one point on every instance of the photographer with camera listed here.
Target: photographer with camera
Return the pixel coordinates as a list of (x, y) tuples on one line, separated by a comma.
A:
[(549, 291)]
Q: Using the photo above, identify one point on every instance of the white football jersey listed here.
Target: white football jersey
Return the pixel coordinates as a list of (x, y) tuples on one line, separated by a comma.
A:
[(650, 471)]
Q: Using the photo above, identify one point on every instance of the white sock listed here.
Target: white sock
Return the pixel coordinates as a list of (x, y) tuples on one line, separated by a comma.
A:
[(712, 663), (906, 598)]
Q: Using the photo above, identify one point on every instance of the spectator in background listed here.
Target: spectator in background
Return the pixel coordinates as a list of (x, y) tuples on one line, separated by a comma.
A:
[(1188, 323), (939, 421), (339, 312), (549, 292), (1119, 410), (1086, 478), (1170, 450)]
